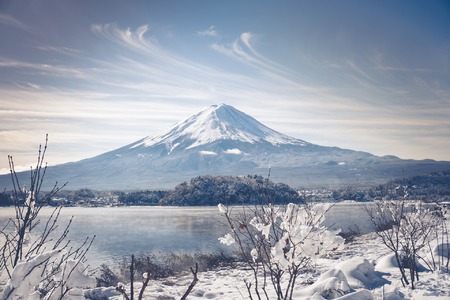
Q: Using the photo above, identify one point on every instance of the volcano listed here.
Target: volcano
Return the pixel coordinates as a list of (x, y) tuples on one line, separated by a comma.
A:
[(221, 140)]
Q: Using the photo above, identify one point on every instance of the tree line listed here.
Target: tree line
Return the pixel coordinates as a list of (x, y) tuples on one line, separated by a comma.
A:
[(255, 189), (199, 191)]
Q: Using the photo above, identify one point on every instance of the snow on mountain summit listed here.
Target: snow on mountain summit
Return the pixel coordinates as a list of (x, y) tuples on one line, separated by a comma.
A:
[(221, 140), (217, 122)]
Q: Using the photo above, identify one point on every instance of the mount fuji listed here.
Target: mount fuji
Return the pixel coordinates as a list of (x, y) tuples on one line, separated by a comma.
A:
[(222, 140)]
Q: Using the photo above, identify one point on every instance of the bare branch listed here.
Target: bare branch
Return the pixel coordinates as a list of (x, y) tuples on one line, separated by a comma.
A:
[(146, 279), (193, 283)]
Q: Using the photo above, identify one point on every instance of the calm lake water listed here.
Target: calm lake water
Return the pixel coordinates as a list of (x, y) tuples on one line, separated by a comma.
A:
[(125, 230)]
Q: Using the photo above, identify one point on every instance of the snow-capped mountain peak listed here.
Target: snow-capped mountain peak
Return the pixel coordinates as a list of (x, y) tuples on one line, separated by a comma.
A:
[(217, 122), (222, 140)]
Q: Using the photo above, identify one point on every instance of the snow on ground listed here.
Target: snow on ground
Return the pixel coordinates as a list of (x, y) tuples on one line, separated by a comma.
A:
[(363, 270)]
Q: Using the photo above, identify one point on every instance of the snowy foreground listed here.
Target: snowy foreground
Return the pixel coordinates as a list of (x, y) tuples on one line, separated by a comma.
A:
[(362, 270)]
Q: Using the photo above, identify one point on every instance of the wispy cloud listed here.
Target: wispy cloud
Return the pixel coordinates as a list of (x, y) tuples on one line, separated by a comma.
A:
[(243, 51), (356, 68), (135, 40), (12, 22), (406, 70), (162, 72), (28, 85), (380, 63), (237, 50), (208, 32), (63, 50), (48, 69), (156, 55)]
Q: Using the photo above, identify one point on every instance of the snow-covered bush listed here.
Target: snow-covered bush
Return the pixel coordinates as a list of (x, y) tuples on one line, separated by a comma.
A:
[(39, 265), (48, 276), (278, 242)]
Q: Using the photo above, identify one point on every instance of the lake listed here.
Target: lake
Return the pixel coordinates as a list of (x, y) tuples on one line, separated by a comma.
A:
[(125, 230)]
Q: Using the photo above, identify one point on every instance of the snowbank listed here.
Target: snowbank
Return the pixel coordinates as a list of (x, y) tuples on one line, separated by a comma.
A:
[(361, 273)]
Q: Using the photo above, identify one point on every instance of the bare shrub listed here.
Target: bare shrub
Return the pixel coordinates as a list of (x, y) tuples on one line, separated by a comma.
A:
[(161, 266), (36, 263), (351, 234), (438, 256), (146, 276), (405, 228)]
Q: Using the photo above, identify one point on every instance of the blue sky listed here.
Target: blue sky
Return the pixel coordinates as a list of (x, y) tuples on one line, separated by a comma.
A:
[(97, 75)]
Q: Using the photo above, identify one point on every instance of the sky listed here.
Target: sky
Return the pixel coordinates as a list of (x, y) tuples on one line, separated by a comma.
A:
[(98, 75)]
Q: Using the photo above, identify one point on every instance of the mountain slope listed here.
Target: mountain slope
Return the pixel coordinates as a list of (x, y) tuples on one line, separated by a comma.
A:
[(222, 140)]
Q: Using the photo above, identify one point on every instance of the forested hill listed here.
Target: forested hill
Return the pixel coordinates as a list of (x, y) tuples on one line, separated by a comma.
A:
[(230, 190)]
